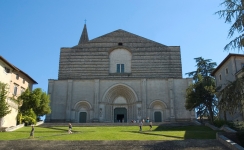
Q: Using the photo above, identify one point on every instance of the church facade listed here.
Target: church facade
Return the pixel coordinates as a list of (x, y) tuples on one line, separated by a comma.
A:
[(118, 77)]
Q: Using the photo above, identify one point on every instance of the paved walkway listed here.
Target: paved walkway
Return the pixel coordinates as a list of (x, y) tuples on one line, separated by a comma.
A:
[(33, 144)]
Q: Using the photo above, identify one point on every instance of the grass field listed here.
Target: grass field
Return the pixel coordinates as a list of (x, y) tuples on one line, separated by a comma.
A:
[(112, 133)]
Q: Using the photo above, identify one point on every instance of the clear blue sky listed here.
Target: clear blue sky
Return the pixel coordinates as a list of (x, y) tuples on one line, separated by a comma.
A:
[(33, 31)]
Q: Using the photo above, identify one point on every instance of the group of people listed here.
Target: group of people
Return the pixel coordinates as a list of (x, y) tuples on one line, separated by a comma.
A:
[(70, 127), (33, 129), (141, 124)]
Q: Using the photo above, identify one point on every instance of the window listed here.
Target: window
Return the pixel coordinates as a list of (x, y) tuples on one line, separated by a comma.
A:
[(120, 68), (220, 77), (120, 44), (7, 70), (15, 89), (226, 71), (23, 81), (22, 90), (17, 76), (120, 61), (242, 65)]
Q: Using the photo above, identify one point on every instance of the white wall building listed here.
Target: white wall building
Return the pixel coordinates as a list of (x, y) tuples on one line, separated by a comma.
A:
[(17, 81)]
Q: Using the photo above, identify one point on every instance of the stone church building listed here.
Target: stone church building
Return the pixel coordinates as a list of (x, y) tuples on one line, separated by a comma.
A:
[(118, 77)]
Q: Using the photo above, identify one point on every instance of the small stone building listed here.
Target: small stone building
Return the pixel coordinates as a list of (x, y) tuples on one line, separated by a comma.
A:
[(118, 77), (227, 71)]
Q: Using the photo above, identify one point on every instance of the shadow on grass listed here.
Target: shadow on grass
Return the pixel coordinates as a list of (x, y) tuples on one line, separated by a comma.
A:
[(151, 133), (55, 128), (53, 135), (191, 132)]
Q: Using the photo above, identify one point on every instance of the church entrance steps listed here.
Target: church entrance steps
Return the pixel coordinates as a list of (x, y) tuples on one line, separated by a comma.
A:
[(119, 124)]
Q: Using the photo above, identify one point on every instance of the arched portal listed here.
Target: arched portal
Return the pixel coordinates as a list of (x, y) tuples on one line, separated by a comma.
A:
[(120, 102), (157, 110), (82, 111)]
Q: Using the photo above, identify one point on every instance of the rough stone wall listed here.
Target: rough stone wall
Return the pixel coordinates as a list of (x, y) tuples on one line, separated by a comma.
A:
[(85, 90), (179, 100), (91, 60)]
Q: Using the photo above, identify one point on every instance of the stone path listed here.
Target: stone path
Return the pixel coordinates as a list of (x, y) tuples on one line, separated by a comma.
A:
[(33, 144)]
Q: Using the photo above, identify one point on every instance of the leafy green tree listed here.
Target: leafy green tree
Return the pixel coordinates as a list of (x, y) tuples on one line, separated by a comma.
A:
[(29, 117), (201, 94), (4, 107), (232, 97), (37, 100), (234, 14), (204, 67), (44, 107)]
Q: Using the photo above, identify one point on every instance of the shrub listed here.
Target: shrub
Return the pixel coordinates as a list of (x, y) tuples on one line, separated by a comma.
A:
[(28, 120), (219, 123), (240, 136), (29, 117)]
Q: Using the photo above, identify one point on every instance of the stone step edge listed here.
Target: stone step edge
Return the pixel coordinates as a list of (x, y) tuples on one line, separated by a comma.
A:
[(227, 142)]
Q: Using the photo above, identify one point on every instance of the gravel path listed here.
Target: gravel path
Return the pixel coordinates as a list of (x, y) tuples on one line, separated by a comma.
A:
[(33, 144)]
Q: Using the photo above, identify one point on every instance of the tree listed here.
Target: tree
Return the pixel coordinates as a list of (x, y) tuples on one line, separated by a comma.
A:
[(29, 117), (204, 67), (37, 100), (201, 94), (4, 107), (234, 12), (232, 97), (44, 107)]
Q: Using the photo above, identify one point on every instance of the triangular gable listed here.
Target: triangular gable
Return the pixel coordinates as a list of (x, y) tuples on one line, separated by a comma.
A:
[(123, 37)]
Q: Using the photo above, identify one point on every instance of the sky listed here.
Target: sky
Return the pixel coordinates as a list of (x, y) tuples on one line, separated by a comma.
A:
[(33, 31)]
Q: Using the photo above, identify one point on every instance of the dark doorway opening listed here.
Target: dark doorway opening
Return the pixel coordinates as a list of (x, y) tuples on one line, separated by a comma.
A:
[(157, 116), (82, 117), (120, 115)]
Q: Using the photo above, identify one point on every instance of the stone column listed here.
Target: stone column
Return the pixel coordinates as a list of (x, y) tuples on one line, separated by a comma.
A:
[(50, 91), (171, 96), (73, 115), (144, 98), (96, 100), (68, 100)]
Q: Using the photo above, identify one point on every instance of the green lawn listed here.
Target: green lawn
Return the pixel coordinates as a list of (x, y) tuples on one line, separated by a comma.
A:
[(112, 133)]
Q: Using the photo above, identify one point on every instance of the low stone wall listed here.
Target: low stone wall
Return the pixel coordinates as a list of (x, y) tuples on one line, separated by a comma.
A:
[(224, 140), (20, 126), (211, 126), (227, 129), (227, 142), (14, 127)]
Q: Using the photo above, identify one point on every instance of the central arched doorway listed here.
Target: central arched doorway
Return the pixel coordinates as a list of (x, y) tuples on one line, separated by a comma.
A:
[(119, 101), (120, 115)]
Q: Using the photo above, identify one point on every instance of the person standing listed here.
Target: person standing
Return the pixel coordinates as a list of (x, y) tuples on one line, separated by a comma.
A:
[(32, 131), (150, 125), (140, 125), (70, 128)]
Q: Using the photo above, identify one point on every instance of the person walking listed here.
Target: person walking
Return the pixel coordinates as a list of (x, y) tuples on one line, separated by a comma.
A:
[(70, 128), (32, 131), (150, 125), (140, 125)]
